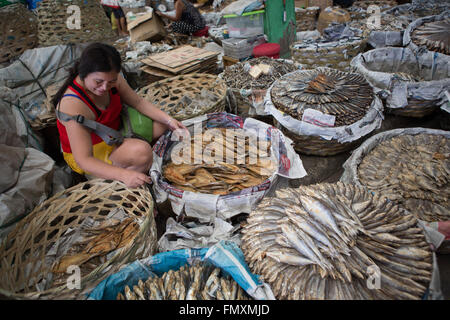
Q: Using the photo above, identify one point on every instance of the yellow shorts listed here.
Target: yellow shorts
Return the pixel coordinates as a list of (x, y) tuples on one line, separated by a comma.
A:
[(101, 151)]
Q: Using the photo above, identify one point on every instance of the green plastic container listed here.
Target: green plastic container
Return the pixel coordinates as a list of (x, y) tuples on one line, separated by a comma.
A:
[(249, 24), (280, 24), (135, 124)]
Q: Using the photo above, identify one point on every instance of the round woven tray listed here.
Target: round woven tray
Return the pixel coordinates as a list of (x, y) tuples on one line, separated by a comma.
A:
[(23, 255), (334, 55), (315, 145), (168, 93), (18, 31)]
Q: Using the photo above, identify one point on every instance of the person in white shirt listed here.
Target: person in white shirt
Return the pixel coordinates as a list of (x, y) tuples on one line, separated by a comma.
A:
[(115, 8)]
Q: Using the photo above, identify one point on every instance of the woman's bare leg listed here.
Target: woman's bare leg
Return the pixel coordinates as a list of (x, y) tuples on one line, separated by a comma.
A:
[(133, 154)]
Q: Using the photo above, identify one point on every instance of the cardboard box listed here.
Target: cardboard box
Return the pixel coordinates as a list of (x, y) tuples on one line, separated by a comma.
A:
[(147, 26)]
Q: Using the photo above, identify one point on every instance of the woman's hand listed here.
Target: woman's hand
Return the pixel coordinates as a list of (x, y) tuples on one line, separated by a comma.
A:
[(174, 124), (134, 179)]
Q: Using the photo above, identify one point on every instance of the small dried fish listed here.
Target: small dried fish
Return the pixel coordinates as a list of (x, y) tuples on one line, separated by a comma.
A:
[(405, 169), (324, 239), (195, 282)]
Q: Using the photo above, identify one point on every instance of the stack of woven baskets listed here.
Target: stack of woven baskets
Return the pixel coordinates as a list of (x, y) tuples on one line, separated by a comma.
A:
[(54, 20), (306, 18), (18, 31), (187, 96), (331, 54), (77, 229)]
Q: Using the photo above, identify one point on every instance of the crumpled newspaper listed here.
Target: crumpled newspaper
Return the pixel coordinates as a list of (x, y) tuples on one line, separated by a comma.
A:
[(196, 235)]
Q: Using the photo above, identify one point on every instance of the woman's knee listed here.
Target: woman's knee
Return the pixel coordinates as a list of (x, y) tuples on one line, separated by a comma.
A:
[(133, 153), (141, 151)]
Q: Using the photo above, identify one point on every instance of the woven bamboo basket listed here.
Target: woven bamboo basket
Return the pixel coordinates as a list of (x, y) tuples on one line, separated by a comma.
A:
[(444, 120), (306, 18), (53, 18), (168, 93), (416, 108), (317, 146), (383, 171), (18, 31), (23, 255), (335, 55)]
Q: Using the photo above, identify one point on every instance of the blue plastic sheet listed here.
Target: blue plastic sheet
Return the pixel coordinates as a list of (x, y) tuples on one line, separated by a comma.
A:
[(225, 255)]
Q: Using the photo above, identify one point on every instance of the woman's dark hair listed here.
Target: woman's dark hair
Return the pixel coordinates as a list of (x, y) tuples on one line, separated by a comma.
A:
[(96, 57)]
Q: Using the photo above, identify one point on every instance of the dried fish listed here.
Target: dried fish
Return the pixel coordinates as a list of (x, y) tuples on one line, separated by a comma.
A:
[(406, 169), (199, 281), (215, 174), (236, 77), (347, 96), (433, 35), (320, 247)]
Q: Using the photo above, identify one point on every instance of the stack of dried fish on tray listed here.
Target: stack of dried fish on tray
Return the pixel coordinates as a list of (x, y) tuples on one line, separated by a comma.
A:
[(248, 91), (429, 33), (408, 166), (347, 96), (313, 96), (187, 96), (434, 35), (328, 241), (96, 226), (199, 281), (359, 9), (325, 53), (233, 171), (411, 84)]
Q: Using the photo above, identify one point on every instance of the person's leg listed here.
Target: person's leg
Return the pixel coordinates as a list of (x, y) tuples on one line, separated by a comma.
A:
[(158, 130), (123, 26), (133, 154)]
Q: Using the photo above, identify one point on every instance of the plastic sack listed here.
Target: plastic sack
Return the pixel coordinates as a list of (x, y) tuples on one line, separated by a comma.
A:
[(224, 255), (206, 207)]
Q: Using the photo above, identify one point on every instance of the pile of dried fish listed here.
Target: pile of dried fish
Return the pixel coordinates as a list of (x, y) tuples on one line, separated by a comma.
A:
[(95, 244), (388, 22), (237, 77), (196, 282), (333, 241), (403, 76), (347, 96), (434, 35), (413, 170), (233, 171)]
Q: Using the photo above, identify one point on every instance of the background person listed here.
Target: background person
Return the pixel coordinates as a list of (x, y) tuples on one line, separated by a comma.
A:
[(112, 7), (187, 19)]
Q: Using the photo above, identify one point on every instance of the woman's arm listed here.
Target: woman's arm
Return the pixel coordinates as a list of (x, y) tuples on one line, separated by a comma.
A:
[(178, 11), (131, 98)]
